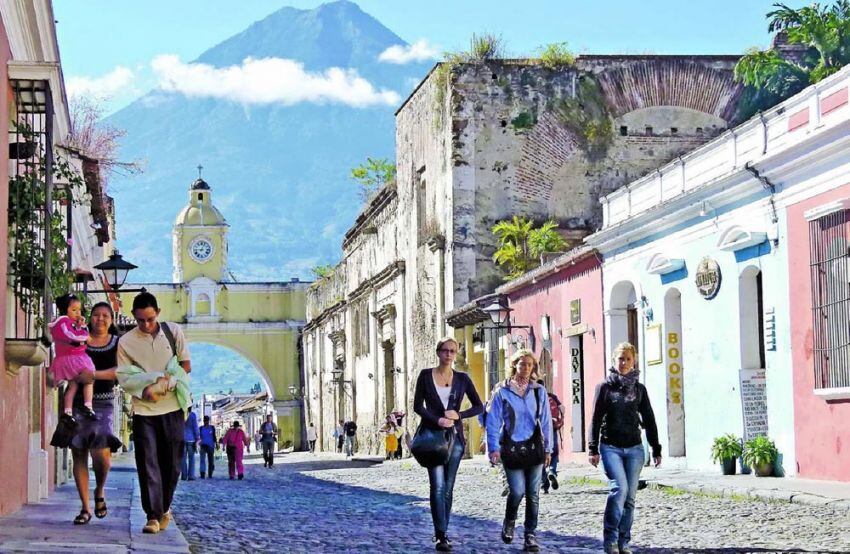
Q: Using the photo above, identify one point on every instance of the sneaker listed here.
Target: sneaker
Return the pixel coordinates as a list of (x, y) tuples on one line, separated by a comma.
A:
[(151, 527), (626, 550), (506, 490), (508, 531), (443, 545), (642, 484), (546, 490), (531, 544), (611, 549), (553, 481), (164, 520)]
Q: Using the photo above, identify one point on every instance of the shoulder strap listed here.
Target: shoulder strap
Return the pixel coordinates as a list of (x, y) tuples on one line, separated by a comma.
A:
[(170, 336), (537, 401)]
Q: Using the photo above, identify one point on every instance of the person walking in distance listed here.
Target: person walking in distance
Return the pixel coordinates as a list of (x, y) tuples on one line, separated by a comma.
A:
[(234, 441), (191, 436), (519, 434), (437, 398), (268, 436), (312, 437), (350, 432), (557, 411), (209, 442), (620, 408), (157, 416), (339, 435)]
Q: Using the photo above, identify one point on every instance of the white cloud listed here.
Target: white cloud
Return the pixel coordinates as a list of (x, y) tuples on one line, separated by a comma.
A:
[(105, 86), (419, 51), (269, 81)]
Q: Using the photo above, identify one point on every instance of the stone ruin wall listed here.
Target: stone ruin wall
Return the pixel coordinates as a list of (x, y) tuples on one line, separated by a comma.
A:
[(513, 153)]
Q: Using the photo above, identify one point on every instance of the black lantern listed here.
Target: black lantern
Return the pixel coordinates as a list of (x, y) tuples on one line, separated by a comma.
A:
[(498, 312), (115, 270)]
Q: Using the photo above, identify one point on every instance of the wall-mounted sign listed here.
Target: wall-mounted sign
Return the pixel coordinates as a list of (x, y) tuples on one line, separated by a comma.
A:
[(575, 311), (708, 278), (654, 354)]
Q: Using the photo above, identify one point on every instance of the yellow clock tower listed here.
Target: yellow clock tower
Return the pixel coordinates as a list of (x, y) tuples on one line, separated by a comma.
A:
[(200, 238)]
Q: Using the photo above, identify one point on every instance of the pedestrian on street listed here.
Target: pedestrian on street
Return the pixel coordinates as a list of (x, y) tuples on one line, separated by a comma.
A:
[(157, 415), (96, 437), (312, 437), (399, 420), (191, 436), (437, 399), (209, 443), (519, 421), (234, 441), (349, 430), (390, 431), (339, 435), (620, 408), (556, 411), (268, 435)]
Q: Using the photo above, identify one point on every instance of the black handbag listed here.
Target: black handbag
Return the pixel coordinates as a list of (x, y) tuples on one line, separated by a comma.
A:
[(526, 453), (65, 431), (432, 447)]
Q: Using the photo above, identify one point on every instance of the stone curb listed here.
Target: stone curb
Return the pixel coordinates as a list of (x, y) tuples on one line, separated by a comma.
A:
[(769, 495), (170, 540)]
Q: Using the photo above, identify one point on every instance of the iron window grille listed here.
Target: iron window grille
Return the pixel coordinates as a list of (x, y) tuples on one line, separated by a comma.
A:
[(829, 240), (31, 207)]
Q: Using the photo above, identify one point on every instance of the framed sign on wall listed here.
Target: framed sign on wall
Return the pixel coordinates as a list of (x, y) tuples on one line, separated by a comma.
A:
[(654, 350)]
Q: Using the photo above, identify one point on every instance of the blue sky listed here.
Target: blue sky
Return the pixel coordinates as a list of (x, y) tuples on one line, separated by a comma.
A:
[(99, 38)]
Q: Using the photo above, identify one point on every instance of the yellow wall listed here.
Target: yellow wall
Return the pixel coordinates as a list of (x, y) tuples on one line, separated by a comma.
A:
[(213, 267), (475, 365)]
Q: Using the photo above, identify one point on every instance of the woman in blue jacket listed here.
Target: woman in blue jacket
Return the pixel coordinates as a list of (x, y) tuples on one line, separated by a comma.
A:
[(437, 398), (519, 411)]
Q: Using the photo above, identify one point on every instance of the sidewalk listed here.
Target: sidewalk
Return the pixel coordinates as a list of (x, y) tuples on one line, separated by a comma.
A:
[(47, 526), (834, 494)]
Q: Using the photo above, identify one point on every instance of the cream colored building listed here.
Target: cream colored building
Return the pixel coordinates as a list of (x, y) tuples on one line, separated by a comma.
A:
[(260, 321)]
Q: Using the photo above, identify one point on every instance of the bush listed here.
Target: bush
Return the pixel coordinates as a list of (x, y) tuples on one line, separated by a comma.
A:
[(725, 447), (556, 55), (759, 451)]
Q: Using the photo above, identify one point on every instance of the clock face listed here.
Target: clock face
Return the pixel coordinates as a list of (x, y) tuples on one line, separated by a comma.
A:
[(201, 250)]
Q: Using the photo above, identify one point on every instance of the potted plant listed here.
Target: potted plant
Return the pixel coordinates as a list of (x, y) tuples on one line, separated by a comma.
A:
[(726, 449), (760, 453)]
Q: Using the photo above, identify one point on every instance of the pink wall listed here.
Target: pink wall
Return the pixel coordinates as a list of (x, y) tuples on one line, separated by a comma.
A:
[(821, 430), (551, 296), (14, 400)]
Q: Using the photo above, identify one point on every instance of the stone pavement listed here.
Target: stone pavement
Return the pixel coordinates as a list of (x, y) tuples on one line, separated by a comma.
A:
[(47, 526), (324, 503), (834, 494)]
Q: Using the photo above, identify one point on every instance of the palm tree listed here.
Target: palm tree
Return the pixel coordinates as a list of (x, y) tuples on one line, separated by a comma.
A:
[(771, 77), (521, 246)]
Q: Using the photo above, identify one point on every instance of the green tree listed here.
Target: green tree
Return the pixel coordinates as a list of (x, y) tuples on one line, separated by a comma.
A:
[(322, 271), (521, 245), (771, 77), (373, 175)]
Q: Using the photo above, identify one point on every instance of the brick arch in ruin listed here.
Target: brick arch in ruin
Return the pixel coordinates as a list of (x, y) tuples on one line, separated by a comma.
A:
[(551, 163)]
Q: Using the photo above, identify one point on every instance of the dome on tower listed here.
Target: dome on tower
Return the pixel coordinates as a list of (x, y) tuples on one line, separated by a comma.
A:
[(200, 184), (200, 210)]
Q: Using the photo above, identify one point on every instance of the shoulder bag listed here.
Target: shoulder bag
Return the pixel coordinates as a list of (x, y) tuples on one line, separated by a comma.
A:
[(432, 447), (526, 453)]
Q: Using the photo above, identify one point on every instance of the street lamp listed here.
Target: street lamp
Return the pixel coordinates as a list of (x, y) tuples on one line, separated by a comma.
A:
[(500, 316), (115, 271), (296, 394)]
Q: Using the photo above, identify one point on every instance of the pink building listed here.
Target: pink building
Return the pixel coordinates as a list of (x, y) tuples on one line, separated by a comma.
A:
[(562, 301), (819, 265)]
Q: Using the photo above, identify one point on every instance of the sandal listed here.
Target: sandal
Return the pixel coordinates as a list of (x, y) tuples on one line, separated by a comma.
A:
[(100, 509), (82, 518)]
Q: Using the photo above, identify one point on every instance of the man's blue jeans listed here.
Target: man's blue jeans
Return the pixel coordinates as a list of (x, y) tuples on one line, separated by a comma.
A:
[(442, 480), (188, 461), (622, 466), (524, 482)]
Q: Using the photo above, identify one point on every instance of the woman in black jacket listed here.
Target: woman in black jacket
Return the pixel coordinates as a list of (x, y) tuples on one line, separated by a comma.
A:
[(620, 408), (439, 393)]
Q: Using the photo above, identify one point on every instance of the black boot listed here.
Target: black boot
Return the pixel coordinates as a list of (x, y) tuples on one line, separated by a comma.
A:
[(443, 544), (531, 544), (203, 475), (508, 531)]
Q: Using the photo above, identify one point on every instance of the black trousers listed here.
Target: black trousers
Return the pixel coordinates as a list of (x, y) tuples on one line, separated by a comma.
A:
[(207, 459), (159, 446)]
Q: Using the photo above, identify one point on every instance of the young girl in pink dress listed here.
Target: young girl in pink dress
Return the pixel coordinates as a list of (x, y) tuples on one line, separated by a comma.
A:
[(71, 363)]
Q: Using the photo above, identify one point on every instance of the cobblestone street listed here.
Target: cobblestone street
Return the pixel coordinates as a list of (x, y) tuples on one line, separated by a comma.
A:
[(325, 504)]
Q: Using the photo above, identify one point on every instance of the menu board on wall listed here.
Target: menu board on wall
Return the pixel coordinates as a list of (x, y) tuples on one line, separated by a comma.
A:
[(754, 402)]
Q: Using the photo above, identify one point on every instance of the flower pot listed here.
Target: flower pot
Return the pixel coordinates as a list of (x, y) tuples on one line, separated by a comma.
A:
[(728, 466), (23, 352), (763, 470), (21, 150), (745, 469)]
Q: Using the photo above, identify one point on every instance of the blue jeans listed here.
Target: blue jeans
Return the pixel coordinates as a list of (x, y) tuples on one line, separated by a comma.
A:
[(524, 482), (553, 464), (188, 461), (622, 466), (442, 480)]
